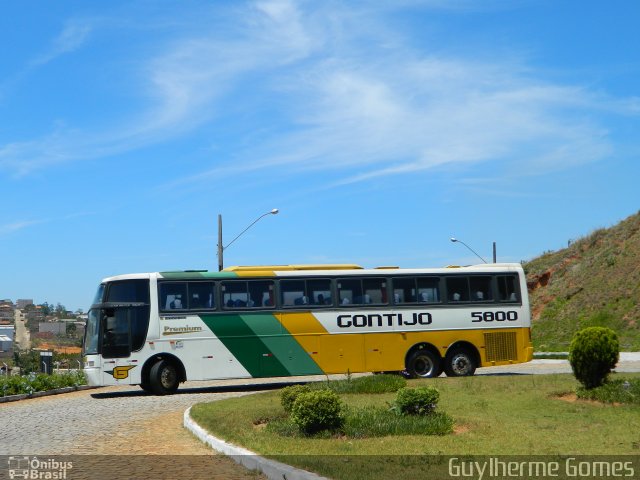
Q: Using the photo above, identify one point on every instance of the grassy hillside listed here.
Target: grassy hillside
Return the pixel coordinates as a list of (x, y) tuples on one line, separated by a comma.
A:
[(593, 282)]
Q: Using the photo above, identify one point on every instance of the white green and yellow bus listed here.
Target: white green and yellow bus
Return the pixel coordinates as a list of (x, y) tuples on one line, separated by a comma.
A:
[(157, 330)]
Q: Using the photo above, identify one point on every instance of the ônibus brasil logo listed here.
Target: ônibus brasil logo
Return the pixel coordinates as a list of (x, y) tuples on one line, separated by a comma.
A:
[(36, 468)]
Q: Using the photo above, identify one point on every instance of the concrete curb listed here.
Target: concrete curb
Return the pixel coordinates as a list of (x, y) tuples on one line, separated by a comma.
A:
[(46, 393), (272, 469)]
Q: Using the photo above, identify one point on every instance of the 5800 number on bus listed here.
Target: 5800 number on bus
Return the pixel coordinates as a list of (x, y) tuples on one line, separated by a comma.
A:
[(500, 316)]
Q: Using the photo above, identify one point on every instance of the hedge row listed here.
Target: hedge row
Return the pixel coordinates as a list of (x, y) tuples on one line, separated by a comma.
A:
[(28, 384)]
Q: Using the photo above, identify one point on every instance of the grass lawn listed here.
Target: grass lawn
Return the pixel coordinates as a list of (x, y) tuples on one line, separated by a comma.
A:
[(494, 415)]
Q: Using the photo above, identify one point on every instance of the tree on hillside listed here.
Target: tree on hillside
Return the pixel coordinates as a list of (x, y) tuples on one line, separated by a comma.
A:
[(60, 310), (46, 308)]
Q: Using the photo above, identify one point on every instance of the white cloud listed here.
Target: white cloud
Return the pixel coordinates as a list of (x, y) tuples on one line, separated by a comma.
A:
[(359, 99), (72, 37), (16, 226)]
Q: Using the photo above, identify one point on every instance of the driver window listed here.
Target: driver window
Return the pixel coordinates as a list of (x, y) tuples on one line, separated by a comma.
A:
[(116, 338)]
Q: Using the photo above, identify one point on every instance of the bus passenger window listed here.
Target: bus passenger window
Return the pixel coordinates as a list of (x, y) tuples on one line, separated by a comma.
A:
[(319, 292), (375, 291), (349, 291), (260, 293), (234, 295), (404, 290), (507, 290), (290, 291), (428, 289), (201, 295), (481, 288), (173, 295), (458, 289), (362, 291)]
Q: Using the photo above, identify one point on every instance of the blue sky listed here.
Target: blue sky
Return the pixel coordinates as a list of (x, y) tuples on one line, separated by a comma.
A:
[(379, 129)]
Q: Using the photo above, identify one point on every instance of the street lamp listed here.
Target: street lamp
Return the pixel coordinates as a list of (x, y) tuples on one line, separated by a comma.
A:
[(222, 248), (455, 240)]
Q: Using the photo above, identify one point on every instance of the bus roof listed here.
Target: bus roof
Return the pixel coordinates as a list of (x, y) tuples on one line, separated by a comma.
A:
[(283, 268), (315, 269)]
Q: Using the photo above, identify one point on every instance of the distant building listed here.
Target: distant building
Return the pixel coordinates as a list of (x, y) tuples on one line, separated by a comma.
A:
[(35, 315), (80, 328), (23, 302), (7, 334), (57, 328), (6, 310)]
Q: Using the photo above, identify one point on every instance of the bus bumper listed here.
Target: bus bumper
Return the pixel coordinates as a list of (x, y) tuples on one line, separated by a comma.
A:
[(528, 354), (94, 377)]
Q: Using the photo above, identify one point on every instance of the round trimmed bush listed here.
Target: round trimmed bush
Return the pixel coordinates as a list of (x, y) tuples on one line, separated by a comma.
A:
[(416, 401), (593, 353), (317, 410), (288, 395)]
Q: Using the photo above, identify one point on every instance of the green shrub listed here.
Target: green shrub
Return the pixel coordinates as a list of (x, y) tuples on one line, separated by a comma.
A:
[(288, 395), (593, 353), (28, 384), (316, 411), (416, 401), (15, 385)]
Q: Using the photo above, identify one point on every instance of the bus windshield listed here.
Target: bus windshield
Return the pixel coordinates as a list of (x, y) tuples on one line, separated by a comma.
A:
[(91, 332), (118, 325)]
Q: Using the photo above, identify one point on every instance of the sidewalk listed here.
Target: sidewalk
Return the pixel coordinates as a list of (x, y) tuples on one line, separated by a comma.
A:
[(629, 362)]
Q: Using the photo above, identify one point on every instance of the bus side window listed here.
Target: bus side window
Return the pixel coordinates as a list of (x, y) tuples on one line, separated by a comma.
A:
[(234, 294), (201, 295), (319, 292), (349, 291), (173, 295), (404, 290), (291, 291), (428, 289), (507, 291), (458, 289), (481, 288), (260, 293), (374, 291)]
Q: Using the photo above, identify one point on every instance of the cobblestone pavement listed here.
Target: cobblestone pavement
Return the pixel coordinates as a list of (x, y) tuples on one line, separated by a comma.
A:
[(121, 421)]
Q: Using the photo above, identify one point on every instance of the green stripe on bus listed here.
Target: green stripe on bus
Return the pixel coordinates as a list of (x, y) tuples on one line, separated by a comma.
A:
[(195, 275), (283, 345), (261, 344), (245, 345)]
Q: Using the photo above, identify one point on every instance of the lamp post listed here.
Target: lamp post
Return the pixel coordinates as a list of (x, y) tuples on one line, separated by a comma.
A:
[(222, 248), (455, 240)]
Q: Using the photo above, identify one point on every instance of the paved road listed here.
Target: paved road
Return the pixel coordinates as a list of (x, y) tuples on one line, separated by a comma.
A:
[(23, 336), (629, 362), (121, 421)]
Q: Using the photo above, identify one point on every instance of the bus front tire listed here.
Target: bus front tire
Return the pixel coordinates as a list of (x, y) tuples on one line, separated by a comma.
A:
[(423, 364), (459, 363), (163, 378)]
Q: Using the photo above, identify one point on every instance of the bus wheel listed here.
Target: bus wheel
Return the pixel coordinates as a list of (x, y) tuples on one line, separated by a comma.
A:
[(459, 362), (423, 364), (163, 378)]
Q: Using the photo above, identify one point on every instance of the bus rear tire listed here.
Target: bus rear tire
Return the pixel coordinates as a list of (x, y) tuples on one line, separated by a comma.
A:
[(459, 362), (164, 378), (423, 363)]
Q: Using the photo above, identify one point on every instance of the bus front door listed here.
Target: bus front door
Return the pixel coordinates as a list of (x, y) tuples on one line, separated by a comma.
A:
[(116, 346)]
